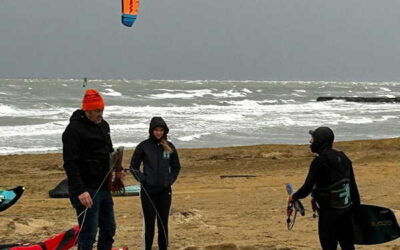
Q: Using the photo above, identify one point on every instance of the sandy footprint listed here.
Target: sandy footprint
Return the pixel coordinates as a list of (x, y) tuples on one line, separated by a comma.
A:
[(29, 226), (224, 246), (190, 217)]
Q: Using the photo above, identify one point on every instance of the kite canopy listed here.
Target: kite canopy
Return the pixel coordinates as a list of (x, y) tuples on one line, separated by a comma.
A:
[(128, 20), (130, 9), (10, 197), (60, 191), (63, 241)]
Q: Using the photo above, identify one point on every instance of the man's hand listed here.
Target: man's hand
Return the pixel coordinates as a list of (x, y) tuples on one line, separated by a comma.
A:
[(290, 199), (85, 199)]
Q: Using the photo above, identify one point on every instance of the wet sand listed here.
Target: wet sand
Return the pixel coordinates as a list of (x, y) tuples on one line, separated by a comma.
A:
[(208, 212)]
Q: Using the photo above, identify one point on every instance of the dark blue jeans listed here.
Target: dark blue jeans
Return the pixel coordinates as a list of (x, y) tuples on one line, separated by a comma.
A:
[(100, 216)]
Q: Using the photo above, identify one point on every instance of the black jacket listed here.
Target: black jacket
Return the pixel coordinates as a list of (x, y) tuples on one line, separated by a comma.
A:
[(328, 168), (86, 153), (160, 169), (325, 170)]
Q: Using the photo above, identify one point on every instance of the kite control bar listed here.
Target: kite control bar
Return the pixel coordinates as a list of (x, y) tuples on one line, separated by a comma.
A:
[(295, 206)]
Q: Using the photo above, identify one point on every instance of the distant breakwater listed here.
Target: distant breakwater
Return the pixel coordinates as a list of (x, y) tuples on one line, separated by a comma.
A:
[(359, 99)]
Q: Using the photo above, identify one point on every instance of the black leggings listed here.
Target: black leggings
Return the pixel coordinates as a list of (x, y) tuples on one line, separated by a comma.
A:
[(162, 202), (335, 227)]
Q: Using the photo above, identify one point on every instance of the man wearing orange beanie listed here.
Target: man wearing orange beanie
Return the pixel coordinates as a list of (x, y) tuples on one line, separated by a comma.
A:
[(86, 152)]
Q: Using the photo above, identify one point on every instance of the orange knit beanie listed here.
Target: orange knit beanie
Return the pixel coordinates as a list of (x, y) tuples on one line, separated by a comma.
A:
[(92, 100)]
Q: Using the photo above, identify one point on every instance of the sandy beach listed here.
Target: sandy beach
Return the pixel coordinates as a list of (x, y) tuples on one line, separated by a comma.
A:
[(208, 212)]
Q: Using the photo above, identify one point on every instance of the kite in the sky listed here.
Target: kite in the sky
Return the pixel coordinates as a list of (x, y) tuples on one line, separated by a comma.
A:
[(130, 9)]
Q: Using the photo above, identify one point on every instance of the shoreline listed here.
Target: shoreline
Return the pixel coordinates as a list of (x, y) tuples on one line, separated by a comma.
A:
[(210, 148), (208, 212)]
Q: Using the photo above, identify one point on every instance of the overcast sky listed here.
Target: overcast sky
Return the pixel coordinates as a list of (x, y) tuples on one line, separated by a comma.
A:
[(202, 39)]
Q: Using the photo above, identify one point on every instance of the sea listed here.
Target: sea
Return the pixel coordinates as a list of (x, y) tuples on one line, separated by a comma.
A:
[(200, 113)]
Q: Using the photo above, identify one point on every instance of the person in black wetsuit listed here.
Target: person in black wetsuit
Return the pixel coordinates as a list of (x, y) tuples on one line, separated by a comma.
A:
[(160, 170), (332, 184)]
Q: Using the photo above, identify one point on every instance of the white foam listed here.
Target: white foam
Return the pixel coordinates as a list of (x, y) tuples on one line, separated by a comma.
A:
[(191, 137), (36, 150), (126, 145), (245, 102), (6, 109), (51, 128), (360, 120), (12, 111), (248, 106), (191, 94), (385, 89), (168, 90), (268, 101), (175, 96), (195, 82), (186, 94), (300, 90), (247, 91), (129, 126), (388, 96), (111, 92), (124, 128), (284, 121), (231, 117), (229, 94), (387, 117), (2, 93), (288, 101), (249, 103)]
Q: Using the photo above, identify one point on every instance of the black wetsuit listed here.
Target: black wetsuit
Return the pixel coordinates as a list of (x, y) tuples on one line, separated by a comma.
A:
[(328, 168), (160, 170)]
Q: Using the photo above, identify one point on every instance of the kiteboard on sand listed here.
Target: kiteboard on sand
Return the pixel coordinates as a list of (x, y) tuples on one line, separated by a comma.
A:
[(374, 225), (10, 197), (131, 190), (61, 190), (115, 182)]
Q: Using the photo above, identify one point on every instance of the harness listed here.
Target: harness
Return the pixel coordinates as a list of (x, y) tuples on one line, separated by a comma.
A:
[(337, 195)]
